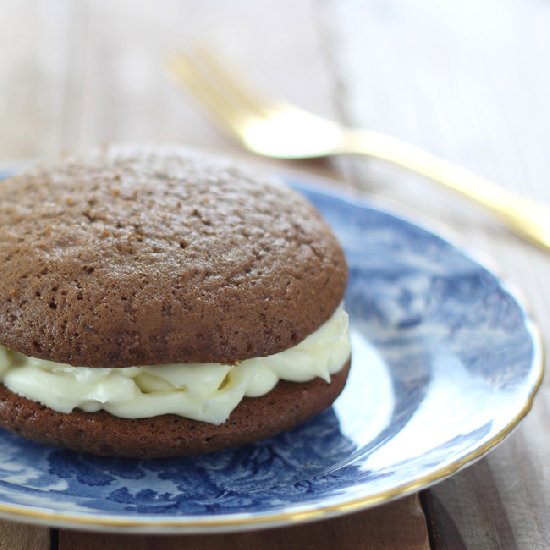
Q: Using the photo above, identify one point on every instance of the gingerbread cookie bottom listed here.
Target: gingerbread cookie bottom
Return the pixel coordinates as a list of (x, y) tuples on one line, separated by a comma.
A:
[(101, 433)]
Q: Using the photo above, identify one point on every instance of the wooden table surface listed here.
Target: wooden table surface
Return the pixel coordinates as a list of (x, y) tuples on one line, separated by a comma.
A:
[(468, 80)]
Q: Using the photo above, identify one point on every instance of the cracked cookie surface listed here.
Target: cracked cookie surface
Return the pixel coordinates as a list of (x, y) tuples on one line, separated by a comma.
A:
[(150, 255)]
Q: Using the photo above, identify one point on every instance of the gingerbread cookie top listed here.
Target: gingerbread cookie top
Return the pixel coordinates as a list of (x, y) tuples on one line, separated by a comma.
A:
[(153, 255)]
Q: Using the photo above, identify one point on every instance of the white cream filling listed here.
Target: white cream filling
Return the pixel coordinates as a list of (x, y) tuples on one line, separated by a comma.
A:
[(205, 391)]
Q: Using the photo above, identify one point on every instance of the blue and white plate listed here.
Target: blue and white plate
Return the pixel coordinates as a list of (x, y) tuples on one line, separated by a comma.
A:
[(446, 362)]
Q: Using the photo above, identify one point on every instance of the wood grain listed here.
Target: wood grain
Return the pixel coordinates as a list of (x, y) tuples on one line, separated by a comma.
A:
[(40, 76), (394, 526), (18, 536)]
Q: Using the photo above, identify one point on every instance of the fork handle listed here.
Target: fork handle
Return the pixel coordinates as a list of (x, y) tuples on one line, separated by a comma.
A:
[(524, 216)]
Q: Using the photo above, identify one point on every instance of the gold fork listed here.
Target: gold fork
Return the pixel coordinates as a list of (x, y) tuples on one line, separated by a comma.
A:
[(279, 129)]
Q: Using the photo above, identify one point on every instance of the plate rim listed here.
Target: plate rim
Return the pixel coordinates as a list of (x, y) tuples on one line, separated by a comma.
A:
[(234, 522)]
